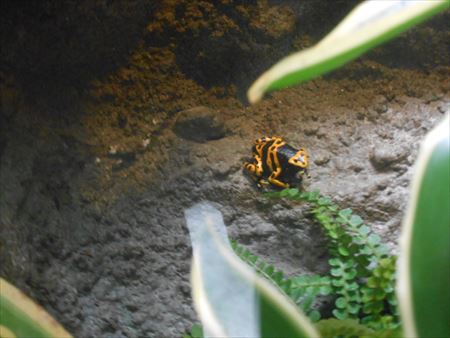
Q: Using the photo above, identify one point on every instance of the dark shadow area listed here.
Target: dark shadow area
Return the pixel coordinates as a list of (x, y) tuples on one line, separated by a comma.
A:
[(234, 43), (53, 48)]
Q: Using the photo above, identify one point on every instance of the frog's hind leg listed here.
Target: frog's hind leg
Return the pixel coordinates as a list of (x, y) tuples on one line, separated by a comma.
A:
[(256, 168)]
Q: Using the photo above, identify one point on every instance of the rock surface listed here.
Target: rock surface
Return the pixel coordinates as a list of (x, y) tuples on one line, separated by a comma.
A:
[(93, 193)]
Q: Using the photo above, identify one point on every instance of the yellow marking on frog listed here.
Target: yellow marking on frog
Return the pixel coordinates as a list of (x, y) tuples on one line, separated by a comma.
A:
[(300, 154), (273, 153)]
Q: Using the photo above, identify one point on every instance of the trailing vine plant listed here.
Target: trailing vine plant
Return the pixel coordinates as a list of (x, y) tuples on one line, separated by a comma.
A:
[(362, 271), (361, 276)]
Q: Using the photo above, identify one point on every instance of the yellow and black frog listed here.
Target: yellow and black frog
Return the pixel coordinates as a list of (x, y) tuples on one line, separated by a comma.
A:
[(277, 163)]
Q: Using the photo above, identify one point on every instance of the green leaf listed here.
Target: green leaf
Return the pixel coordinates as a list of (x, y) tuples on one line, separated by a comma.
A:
[(364, 229), (350, 275), (352, 286), (230, 294), (252, 259), (343, 251), (366, 251), (353, 296), (340, 314), (386, 263), (333, 208), (373, 239), (307, 302), (349, 263), (333, 234), (355, 221), (294, 192), (425, 250), (338, 282), (314, 315), (337, 272), (353, 308), (324, 201), (277, 277), (197, 331), (262, 265), (359, 240), (348, 328), (325, 290), (372, 282), (305, 195), (269, 270), (285, 193), (368, 25), (334, 262), (345, 213), (23, 318), (393, 301), (341, 303)]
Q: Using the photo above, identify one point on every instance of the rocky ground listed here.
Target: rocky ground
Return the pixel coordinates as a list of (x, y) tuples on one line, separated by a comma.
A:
[(97, 170)]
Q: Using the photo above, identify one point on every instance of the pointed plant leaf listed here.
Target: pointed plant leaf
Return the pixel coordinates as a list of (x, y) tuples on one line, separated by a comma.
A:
[(230, 298), (423, 286), (21, 317), (368, 25)]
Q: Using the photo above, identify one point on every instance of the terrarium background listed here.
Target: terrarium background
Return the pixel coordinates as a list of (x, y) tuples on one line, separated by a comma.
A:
[(98, 157)]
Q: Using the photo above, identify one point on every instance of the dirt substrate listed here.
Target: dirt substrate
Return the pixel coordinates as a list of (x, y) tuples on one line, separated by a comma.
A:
[(93, 188)]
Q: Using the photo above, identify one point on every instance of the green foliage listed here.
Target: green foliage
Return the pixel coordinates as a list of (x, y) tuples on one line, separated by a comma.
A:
[(196, 332), (350, 328), (361, 276), (425, 249), (21, 317), (302, 290), (256, 307), (262, 268), (362, 272), (305, 290)]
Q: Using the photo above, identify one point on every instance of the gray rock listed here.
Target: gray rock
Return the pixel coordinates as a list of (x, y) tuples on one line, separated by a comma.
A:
[(388, 156), (199, 124)]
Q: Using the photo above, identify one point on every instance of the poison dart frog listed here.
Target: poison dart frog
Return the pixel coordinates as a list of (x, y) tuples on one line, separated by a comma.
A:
[(278, 162)]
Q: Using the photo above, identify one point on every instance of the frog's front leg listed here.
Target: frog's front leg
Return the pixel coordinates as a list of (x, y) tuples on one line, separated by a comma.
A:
[(273, 179)]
